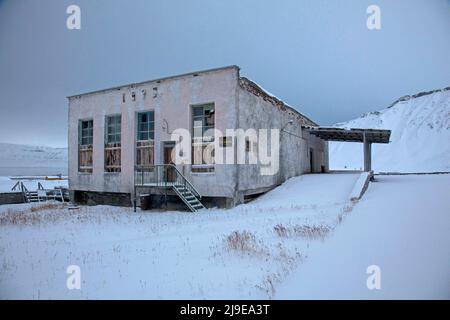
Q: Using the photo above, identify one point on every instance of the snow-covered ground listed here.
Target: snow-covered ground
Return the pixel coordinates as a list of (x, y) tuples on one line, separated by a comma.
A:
[(245, 252), (419, 140), (304, 239), (6, 183), (402, 226), (16, 159)]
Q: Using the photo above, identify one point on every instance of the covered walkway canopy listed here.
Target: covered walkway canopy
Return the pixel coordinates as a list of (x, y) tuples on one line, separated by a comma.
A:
[(366, 136)]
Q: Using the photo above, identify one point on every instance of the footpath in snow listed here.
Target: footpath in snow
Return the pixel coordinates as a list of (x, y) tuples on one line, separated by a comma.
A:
[(402, 226)]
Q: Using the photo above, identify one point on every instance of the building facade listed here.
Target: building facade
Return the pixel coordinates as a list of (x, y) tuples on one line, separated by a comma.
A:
[(114, 132)]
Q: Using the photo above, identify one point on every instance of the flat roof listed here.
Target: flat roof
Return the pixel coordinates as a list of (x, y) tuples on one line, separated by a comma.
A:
[(193, 73), (350, 135)]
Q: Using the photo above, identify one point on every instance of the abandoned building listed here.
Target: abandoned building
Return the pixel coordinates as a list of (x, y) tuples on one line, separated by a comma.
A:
[(122, 145)]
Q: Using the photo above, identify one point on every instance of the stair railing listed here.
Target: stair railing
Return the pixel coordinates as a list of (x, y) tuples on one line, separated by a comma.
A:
[(162, 175), (24, 191), (16, 186), (23, 188)]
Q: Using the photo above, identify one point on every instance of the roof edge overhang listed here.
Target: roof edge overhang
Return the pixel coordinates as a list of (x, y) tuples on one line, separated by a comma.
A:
[(351, 134)]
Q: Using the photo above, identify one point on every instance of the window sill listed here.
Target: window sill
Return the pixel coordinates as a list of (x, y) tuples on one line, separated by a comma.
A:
[(202, 173), (203, 167)]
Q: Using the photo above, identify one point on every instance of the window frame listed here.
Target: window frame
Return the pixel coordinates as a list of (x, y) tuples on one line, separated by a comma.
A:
[(196, 141), (81, 130), (115, 126), (149, 123), (144, 143), (85, 147), (114, 145)]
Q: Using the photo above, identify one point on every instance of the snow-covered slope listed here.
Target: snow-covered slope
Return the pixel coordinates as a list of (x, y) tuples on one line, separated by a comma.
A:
[(420, 139), (18, 159)]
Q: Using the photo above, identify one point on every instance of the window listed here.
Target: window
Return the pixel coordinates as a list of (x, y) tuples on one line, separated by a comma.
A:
[(247, 144), (85, 145), (87, 132), (145, 138), (112, 143), (113, 128), (225, 142), (203, 123), (146, 126), (203, 120)]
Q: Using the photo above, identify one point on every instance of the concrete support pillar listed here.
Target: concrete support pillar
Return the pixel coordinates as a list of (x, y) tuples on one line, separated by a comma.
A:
[(367, 155)]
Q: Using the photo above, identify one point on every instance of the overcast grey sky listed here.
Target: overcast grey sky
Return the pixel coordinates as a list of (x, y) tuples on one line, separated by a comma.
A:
[(316, 55)]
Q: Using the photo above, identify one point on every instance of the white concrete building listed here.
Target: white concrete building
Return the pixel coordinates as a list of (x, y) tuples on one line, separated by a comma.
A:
[(120, 138)]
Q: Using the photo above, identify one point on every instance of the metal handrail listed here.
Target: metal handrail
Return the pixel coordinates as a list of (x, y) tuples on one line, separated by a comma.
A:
[(191, 186), (22, 186), (16, 186), (159, 177)]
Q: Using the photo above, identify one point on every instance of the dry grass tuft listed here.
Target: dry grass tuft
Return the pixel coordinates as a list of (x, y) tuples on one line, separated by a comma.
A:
[(47, 212), (243, 242), (281, 230), (303, 231), (47, 206)]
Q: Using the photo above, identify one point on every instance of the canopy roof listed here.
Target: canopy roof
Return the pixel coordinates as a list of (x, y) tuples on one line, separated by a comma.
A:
[(351, 135)]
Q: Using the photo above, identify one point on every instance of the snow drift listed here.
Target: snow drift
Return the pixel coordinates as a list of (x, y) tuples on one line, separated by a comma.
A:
[(420, 138)]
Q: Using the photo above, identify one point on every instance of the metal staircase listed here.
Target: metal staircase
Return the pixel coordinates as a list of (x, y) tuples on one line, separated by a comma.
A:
[(169, 177), (188, 198)]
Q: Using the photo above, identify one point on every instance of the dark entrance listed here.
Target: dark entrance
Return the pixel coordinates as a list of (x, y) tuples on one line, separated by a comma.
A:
[(311, 160), (170, 173)]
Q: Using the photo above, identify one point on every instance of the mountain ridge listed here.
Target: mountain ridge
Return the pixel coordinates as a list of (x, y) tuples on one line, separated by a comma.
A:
[(420, 126)]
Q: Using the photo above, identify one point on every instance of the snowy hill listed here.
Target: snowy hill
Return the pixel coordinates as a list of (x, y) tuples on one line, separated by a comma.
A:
[(420, 139), (18, 159)]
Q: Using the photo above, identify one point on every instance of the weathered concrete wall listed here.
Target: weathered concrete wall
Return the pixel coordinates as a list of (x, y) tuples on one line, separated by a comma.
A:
[(259, 113), (11, 197), (101, 198), (171, 101)]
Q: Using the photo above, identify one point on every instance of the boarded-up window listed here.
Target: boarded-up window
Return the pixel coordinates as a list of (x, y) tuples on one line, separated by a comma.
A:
[(145, 154), (203, 122), (112, 143), (85, 146)]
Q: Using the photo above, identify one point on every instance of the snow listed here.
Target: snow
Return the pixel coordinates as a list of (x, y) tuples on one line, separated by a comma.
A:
[(310, 190), (305, 240), (360, 185), (18, 159), (401, 225), (6, 183), (161, 255), (419, 140)]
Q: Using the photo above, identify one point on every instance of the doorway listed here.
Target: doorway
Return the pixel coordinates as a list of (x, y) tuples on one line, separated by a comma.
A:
[(311, 160), (170, 171)]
